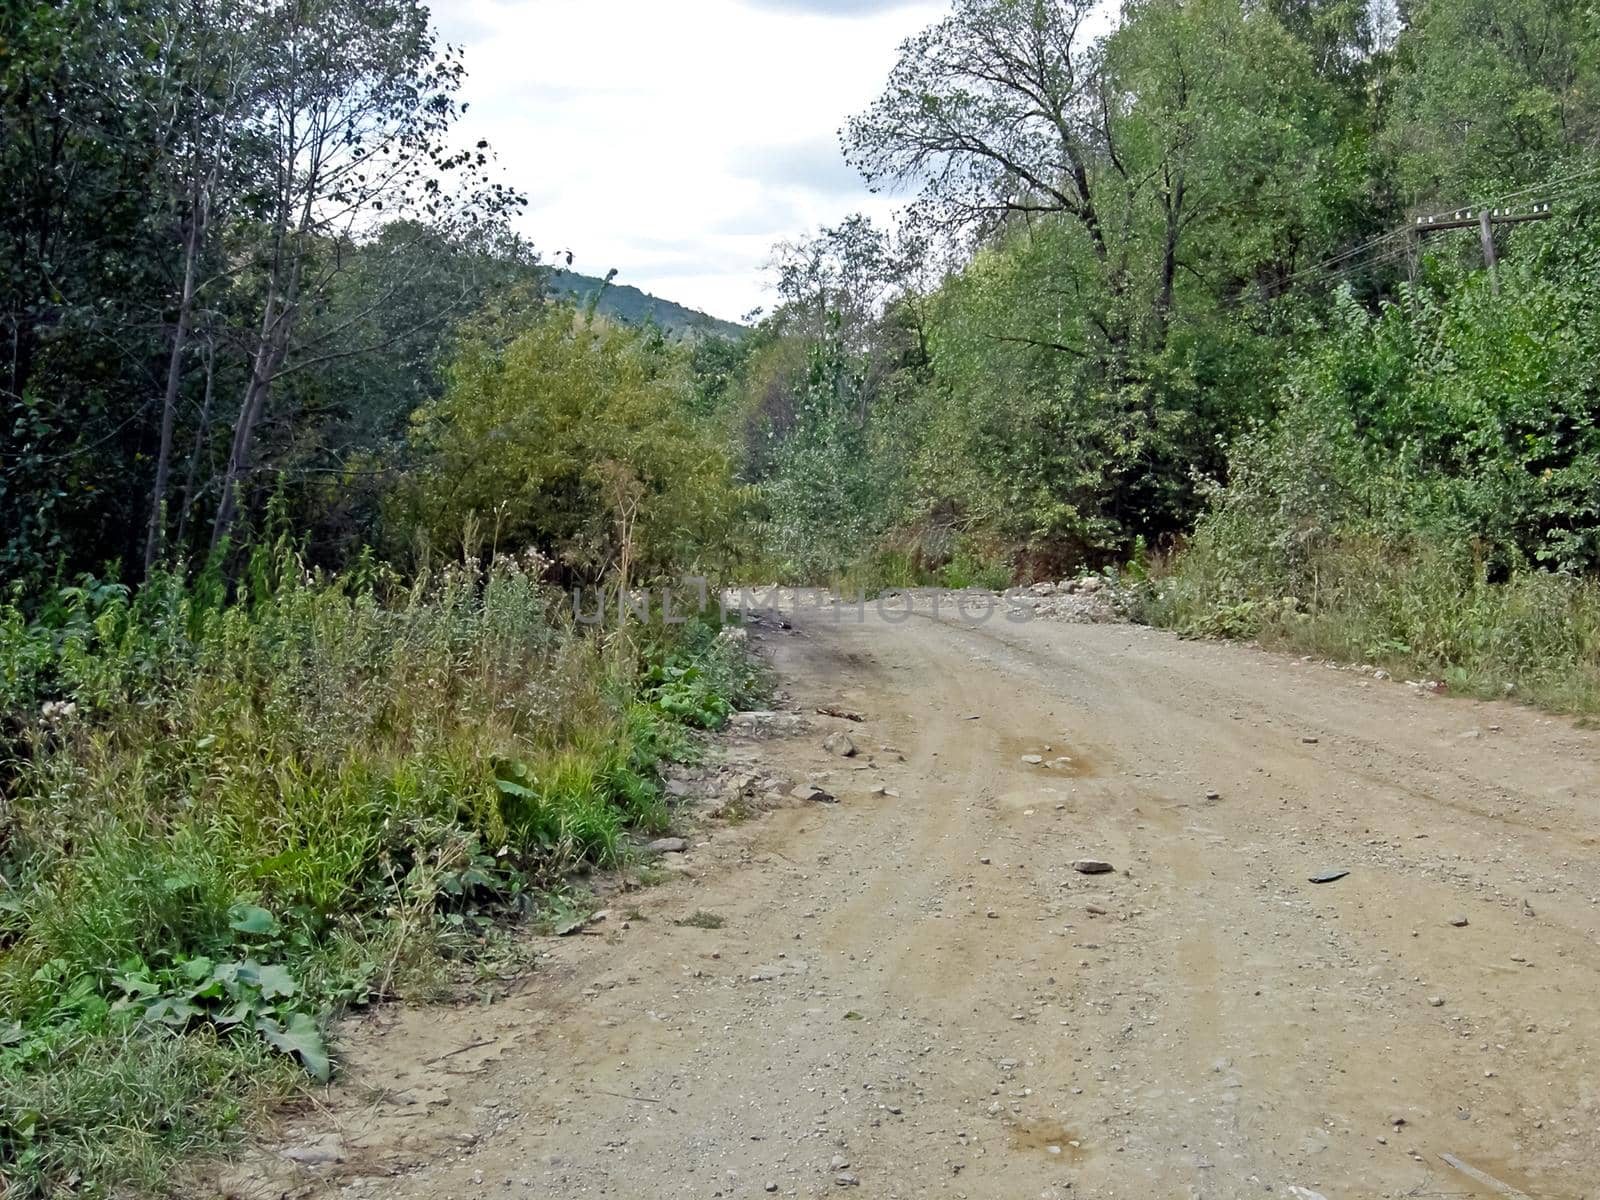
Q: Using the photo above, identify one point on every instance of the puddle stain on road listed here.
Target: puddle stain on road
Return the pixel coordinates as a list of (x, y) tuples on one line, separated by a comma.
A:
[(1047, 1137), (1061, 759)]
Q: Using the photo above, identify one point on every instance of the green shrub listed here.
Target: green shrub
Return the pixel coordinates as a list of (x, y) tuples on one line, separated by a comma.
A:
[(1420, 609), (575, 435), (877, 570), (1429, 497), (969, 569), (226, 819)]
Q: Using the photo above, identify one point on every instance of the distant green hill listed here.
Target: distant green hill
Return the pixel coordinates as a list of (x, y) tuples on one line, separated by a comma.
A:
[(630, 306)]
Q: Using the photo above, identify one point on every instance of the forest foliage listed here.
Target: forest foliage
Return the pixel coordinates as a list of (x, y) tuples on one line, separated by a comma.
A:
[(1157, 297), (300, 443), (1130, 238), (301, 454)]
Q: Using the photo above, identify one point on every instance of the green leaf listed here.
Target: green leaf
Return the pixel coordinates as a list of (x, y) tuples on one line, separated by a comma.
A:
[(279, 863), (137, 985), (171, 1011), (276, 981), (209, 989), (248, 918), (298, 1036), (237, 1015)]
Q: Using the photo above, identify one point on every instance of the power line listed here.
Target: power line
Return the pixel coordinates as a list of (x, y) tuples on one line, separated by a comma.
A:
[(1393, 254), (1466, 218), (1461, 218), (1350, 253), (1553, 188)]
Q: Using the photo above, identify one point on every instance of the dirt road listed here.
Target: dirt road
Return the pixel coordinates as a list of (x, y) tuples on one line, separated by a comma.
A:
[(917, 995)]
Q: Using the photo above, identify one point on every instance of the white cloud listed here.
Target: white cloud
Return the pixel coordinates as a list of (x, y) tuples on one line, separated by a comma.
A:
[(814, 164), (676, 141)]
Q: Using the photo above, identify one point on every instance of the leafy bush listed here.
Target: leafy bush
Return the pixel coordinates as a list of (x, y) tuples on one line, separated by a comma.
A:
[(1430, 496), (576, 435), (225, 819), (970, 569), (830, 486), (704, 678)]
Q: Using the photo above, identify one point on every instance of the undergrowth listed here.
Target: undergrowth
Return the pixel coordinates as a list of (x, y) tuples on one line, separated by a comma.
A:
[(223, 820), (1426, 498), (957, 568), (1417, 610)]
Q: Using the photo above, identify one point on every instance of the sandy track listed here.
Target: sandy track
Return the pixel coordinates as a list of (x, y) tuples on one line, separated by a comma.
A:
[(883, 1006)]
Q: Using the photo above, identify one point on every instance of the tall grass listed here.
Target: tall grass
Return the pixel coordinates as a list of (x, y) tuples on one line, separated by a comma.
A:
[(1428, 496), (1420, 609), (222, 819), (952, 562)]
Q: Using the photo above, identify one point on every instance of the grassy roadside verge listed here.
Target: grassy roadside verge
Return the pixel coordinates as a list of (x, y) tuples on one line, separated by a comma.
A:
[(1417, 610), (221, 822)]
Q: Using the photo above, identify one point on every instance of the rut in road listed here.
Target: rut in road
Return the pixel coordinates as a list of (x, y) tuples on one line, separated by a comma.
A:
[(917, 995)]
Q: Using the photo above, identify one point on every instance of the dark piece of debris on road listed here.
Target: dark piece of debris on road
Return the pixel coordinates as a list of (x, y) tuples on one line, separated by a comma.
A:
[(847, 714)]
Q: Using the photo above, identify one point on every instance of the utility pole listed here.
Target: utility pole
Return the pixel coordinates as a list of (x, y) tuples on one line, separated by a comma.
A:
[(1486, 236), (1485, 219)]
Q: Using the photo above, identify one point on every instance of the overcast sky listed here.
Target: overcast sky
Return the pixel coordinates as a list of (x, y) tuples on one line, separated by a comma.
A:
[(677, 140)]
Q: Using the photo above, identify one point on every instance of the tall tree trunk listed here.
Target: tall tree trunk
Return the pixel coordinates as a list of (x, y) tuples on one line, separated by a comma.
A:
[(275, 333), (269, 356), (1173, 205), (169, 406), (270, 353), (201, 429)]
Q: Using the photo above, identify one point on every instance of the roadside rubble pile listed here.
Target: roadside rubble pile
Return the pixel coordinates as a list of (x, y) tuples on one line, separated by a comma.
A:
[(733, 782), (1090, 600), (1093, 599), (1430, 687)]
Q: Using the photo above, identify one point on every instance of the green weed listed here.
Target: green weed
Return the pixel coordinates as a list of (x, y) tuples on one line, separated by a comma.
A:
[(1419, 611), (229, 819)]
